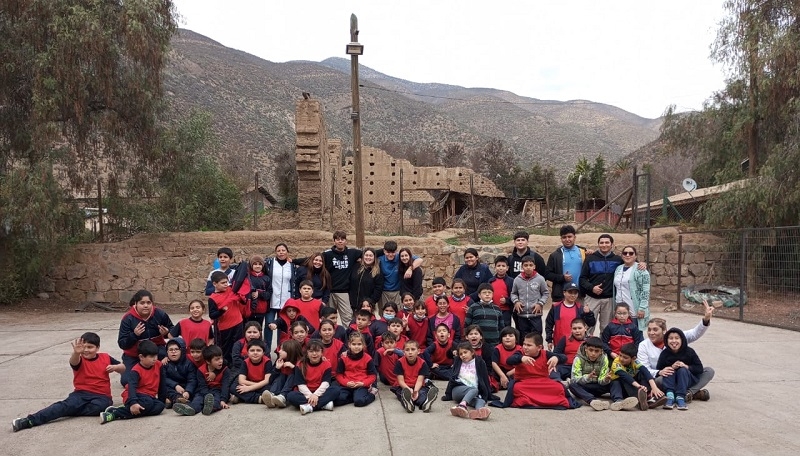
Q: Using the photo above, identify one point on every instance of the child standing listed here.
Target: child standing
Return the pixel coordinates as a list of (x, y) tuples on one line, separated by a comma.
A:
[(312, 377), (90, 380), (502, 284), (179, 374), (529, 294), (686, 367), (213, 384), (468, 385), (194, 327), (459, 301), (413, 389), (417, 324), (225, 308), (143, 389), (143, 321), (486, 315), (307, 305), (356, 374), (563, 313), (439, 289), (254, 374), (225, 259), (256, 290)]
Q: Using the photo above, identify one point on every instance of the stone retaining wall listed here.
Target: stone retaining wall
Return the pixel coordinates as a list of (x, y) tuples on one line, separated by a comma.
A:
[(175, 266)]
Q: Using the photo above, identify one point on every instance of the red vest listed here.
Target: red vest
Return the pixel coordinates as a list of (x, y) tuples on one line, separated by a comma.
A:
[(539, 368), (571, 348), (331, 353), (217, 382), (308, 309), (459, 309), (417, 330), (500, 291), (356, 370), (504, 355), (149, 380), (440, 352), (91, 375), (315, 375), (563, 326), (386, 366), (410, 372), (191, 330), (257, 372), (231, 317)]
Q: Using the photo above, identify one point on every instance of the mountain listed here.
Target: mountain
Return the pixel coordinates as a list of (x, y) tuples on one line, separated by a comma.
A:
[(252, 101)]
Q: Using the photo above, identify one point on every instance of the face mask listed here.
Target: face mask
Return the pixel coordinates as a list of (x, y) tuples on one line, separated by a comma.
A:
[(418, 318), (387, 317)]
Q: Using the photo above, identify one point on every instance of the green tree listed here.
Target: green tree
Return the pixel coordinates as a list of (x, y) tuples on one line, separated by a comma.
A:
[(597, 178)]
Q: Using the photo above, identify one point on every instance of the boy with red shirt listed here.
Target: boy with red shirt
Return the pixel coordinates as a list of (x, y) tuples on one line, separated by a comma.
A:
[(213, 384), (439, 354), (412, 372), (361, 325), (144, 387), (502, 284), (386, 358), (307, 305), (92, 385), (196, 347), (569, 347), (254, 374), (417, 324), (439, 289), (563, 314), (224, 307)]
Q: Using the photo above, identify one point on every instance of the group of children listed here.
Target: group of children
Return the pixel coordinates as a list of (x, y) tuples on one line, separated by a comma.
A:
[(202, 366)]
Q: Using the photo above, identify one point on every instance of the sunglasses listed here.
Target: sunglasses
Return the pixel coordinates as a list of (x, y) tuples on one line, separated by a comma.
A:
[(628, 253)]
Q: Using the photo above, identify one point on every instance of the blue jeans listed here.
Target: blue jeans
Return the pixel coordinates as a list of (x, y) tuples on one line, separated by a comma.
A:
[(78, 403), (679, 381)]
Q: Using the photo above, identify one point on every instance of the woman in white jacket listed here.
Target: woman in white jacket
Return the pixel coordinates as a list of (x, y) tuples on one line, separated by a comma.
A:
[(632, 286), (650, 349)]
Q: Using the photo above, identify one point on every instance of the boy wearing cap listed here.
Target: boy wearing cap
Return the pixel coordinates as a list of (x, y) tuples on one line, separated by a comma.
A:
[(559, 320), (439, 288)]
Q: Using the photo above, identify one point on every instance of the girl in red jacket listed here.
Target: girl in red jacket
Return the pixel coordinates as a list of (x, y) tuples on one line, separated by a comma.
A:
[(356, 374)]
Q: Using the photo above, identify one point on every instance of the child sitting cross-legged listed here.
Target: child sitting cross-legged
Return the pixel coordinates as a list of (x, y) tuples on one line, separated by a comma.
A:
[(468, 385), (143, 390), (313, 385), (631, 381), (254, 374), (413, 389), (686, 367)]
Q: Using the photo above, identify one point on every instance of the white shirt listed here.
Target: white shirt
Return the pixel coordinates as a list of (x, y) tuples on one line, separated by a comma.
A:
[(648, 353)]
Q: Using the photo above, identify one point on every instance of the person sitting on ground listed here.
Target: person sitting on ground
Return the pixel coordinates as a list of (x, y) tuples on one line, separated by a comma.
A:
[(685, 364), (144, 389), (569, 346), (620, 331), (468, 385), (92, 386), (591, 377), (559, 320), (631, 383), (414, 390)]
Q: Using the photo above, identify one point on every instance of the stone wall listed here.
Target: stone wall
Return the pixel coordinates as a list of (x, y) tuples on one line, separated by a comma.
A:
[(175, 266)]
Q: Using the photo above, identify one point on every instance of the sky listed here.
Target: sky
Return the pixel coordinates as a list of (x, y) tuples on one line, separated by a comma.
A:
[(639, 55)]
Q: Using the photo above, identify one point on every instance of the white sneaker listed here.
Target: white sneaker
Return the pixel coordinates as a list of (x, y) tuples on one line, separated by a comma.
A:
[(328, 406), (599, 405), (279, 401), (629, 403), (305, 408)]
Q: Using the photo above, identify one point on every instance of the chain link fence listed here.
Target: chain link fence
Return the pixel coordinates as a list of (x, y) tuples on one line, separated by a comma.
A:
[(752, 275)]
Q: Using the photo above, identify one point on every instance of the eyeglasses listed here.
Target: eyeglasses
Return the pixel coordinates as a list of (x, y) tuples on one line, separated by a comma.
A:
[(628, 253)]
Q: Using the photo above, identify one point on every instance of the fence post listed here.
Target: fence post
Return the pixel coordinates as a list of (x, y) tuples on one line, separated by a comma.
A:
[(742, 273), (680, 264), (647, 221), (402, 227), (635, 200)]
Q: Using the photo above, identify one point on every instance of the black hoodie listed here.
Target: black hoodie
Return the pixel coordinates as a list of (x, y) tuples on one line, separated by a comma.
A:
[(685, 353), (180, 372)]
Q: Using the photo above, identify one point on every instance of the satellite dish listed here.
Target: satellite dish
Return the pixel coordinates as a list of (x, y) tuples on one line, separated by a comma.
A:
[(689, 184)]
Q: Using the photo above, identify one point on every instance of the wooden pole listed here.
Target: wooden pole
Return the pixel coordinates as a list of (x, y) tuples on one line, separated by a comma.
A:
[(402, 233), (100, 209), (472, 202), (356, 116)]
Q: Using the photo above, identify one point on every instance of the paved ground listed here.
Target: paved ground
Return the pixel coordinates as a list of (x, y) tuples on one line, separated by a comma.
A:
[(751, 410)]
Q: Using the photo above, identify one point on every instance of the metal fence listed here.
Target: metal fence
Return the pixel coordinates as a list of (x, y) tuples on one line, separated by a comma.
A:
[(752, 275)]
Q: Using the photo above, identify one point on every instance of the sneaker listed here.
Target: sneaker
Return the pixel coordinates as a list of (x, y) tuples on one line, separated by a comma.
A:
[(373, 391), (681, 402), (328, 406), (305, 408), (630, 403), (433, 393), (106, 417), (20, 424), (405, 399), (459, 411), (183, 409), (655, 403), (208, 404), (670, 404), (598, 405), (279, 401), (566, 382), (233, 399), (480, 414), (641, 396), (266, 399), (702, 395)]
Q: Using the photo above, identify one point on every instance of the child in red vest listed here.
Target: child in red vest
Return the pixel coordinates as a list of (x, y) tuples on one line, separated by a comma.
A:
[(439, 354), (559, 319), (459, 301), (569, 346), (194, 327), (417, 324), (331, 346), (90, 380), (225, 308), (439, 289), (356, 373), (314, 389), (507, 347), (502, 284), (254, 374), (213, 385), (444, 316), (144, 387), (413, 387), (386, 358)]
